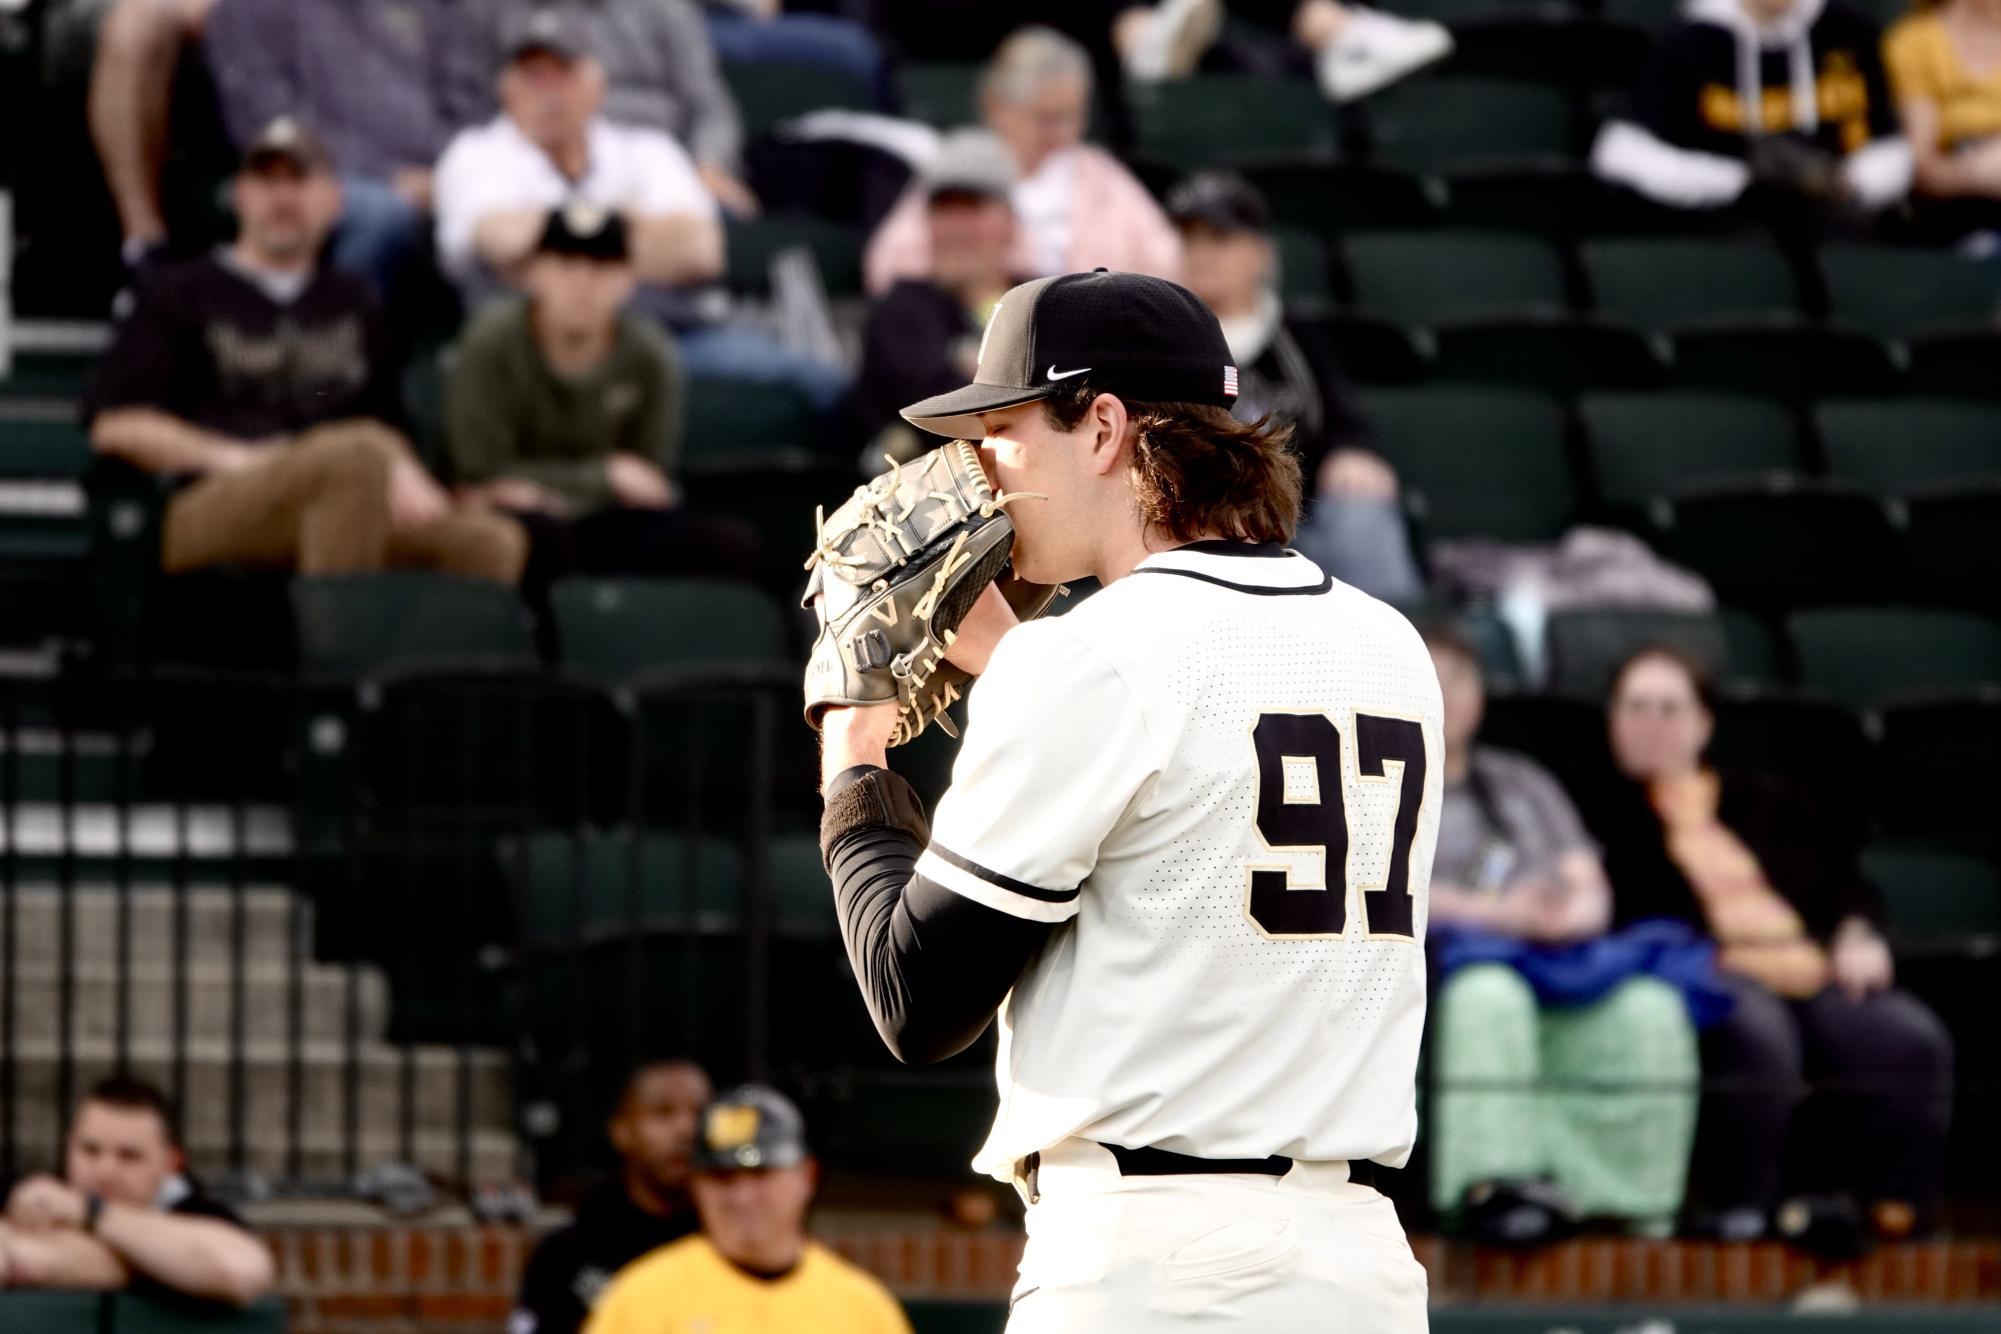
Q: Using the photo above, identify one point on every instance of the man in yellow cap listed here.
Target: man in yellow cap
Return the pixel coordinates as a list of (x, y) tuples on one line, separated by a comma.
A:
[(752, 1269)]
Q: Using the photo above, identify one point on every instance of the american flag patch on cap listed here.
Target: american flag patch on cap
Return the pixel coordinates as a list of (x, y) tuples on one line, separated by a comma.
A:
[(1230, 381)]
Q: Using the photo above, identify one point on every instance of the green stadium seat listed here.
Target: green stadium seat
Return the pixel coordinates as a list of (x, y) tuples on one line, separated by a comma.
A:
[(358, 624), (1557, 354), (1900, 445), (1894, 293), (752, 243), (1782, 360), (943, 1317), (1652, 15), (135, 1313), (733, 423), (1668, 282), (1783, 543), (42, 444), (1868, 656), (699, 763), (1647, 445), (589, 884), (1210, 119), (1935, 894), (1584, 648), (1566, 736), (49, 375), (1500, 655), (776, 501), (1324, 196), (769, 93), (616, 631), (943, 96), (1374, 351), (26, 1310), (912, 1122), (1457, 12), (1305, 271), (1425, 277), (1956, 365), (1443, 122), (1952, 547), (802, 899), (1755, 654), (1817, 744), (1548, 197), (1550, 46), (1477, 462), (1939, 774)]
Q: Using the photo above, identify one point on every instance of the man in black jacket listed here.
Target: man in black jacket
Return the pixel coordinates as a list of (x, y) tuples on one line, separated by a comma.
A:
[(645, 1206)]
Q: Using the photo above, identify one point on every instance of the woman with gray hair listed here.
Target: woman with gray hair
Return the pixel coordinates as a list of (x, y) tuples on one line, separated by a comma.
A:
[(1078, 208)]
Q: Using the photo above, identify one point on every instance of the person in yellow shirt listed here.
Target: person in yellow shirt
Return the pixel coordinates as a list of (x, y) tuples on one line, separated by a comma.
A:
[(1944, 64), (752, 1269)]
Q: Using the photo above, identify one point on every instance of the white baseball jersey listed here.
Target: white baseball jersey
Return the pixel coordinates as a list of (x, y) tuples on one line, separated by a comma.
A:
[(1223, 772)]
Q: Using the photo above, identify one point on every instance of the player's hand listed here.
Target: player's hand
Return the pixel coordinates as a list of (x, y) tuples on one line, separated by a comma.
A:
[(980, 633), (855, 734), (43, 1202), (1860, 960)]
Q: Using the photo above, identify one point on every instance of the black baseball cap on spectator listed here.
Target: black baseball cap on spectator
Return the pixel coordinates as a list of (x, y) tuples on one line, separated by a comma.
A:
[(287, 140), (750, 1128), (556, 32), (1143, 338), (1222, 199), (585, 232)]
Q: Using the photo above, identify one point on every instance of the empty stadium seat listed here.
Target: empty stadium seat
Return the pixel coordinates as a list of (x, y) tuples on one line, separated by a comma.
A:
[(733, 423), (1955, 365), (1815, 743), (1325, 196), (1211, 118), (1939, 774), (1440, 122), (1375, 351), (1899, 445), (1305, 271), (776, 501), (1550, 46), (1549, 197), (587, 884), (802, 899), (1935, 895), (356, 624), (769, 93), (1477, 462), (1584, 648), (752, 243), (1782, 360), (1557, 353), (1952, 547), (1755, 653), (1668, 282), (1894, 293), (621, 630), (1566, 736), (1783, 543), (1647, 445), (1652, 15), (1424, 277), (1867, 656), (943, 96)]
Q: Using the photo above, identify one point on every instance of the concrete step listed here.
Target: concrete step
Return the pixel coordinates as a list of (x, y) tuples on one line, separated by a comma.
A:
[(198, 832), (271, 915), (152, 996)]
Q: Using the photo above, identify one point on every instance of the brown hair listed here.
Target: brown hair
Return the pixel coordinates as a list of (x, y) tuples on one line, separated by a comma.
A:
[(1196, 469), (1448, 637), (1700, 678), (130, 1094)]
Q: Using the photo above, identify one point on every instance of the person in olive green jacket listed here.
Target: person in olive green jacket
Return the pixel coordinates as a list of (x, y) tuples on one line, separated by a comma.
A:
[(564, 408)]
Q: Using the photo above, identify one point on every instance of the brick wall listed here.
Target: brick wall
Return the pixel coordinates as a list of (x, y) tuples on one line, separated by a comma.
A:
[(461, 1280)]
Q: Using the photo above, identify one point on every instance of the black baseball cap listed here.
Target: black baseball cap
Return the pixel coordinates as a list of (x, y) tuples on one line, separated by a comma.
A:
[(288, 140), (558, 32), (1143, 338), (586, 232), (1222, 199), (751, 1127)]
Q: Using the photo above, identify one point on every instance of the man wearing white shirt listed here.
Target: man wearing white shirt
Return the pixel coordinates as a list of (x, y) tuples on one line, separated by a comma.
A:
[(549, 148)]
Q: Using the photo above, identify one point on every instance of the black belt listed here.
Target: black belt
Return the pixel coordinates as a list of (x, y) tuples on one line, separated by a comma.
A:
[(1150, 1162)]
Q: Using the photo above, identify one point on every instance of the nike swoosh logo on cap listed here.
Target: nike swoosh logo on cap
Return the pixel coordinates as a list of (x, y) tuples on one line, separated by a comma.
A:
[(1055, 374)]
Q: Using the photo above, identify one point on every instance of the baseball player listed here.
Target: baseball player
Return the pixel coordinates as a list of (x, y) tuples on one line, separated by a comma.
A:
[(1185, 853)]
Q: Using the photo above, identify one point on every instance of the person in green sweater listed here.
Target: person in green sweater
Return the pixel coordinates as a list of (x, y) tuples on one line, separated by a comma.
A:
[(564, 408)]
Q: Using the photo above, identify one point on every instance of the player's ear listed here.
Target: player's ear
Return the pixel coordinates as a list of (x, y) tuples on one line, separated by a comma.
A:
[(1109, 421)]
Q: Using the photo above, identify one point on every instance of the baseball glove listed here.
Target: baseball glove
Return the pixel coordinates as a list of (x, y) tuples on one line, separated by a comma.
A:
[(895, 571)]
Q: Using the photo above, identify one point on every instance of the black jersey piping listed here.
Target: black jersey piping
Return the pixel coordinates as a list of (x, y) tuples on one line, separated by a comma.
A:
[(1006, 882), (1223, 546), (1305, 590)]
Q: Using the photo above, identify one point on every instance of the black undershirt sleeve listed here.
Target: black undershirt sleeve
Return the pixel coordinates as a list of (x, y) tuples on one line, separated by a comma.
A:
[(933, 965)]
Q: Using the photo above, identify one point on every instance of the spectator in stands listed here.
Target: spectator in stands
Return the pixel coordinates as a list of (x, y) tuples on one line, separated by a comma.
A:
[(1288, 367), (645, 1207), (1352, 51), (1078, 207), (657, 66), (138, 46), (124, 1215), (1528, 1091), (754, 1268), (1747, 859), (1788, 96), (923, 335), (1942, 64), (564, 408), (367, 77), (257, 384), (551, 147)]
